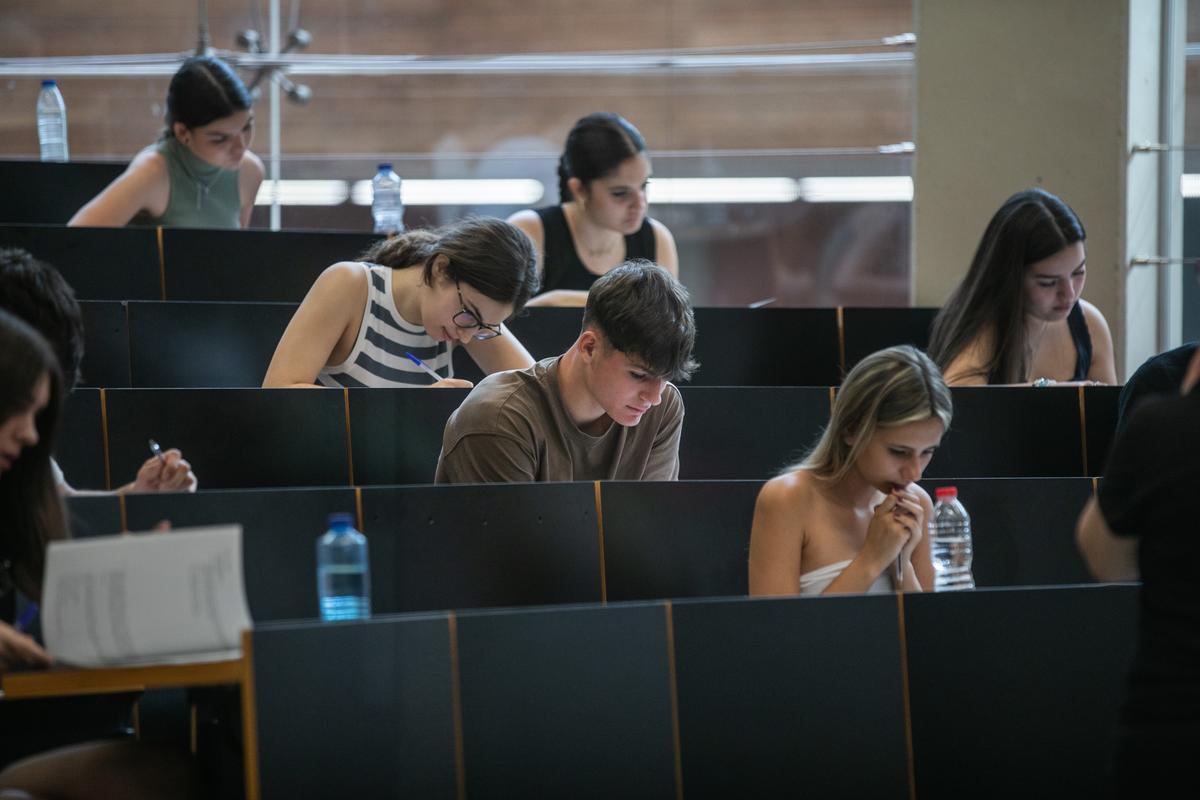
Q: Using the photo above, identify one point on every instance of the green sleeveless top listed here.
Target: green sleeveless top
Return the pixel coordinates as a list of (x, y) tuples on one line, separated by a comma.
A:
[(202, 195)]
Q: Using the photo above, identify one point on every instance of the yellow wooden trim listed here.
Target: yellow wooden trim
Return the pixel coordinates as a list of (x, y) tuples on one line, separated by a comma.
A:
[(349, 443), (104, 438), (249, 719), (841, 336), (600, 534), (1083, 429), (675, 739), (460, 769), (908, 737), (162, 266)]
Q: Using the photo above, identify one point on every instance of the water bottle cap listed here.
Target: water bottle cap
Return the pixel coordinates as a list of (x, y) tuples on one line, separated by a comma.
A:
[(49, 82), (946, 491), (385, 167), (341, 519)]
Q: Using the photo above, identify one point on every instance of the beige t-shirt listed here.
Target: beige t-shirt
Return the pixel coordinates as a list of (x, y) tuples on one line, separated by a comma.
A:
[(513, 427)]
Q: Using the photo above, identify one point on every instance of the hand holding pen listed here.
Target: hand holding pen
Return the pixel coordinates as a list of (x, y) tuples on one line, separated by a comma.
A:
[(439, 381), (164, 471)]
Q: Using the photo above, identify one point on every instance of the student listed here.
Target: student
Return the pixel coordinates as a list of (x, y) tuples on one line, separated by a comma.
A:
[(840, 520), (601, 220), (1017, 317), (200, 173), (38, 294), (604, 410), (1160, 374), (421, 293), (31, 394), (1142, 525)]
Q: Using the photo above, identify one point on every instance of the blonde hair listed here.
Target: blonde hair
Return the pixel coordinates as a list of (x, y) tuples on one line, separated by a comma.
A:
[(888, 388)]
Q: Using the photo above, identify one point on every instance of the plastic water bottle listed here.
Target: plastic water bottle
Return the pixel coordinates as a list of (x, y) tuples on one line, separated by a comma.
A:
[(52, 122), (386, 205), (951, 543), (343, 571)]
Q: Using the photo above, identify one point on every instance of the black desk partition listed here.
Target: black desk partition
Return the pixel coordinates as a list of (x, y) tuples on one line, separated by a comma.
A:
[(1023, 529), (1100, 417), (396, 434), (94, 516), (255, 265), (184, 344), (99, 263), (51, 192), (866, 330), (234, 438), (1004, 693), (355, 710), (791, 698), (279, 533), (470, 546), (105, 344), (1001, 431), (1015, 692), (682, 539), (748, 432), (80, 449), (567, 703)]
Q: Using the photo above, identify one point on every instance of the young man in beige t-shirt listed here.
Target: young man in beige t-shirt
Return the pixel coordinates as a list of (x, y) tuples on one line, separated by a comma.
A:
[(604, 410)]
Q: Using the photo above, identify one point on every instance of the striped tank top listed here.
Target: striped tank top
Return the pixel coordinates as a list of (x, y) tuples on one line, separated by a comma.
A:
[(383, 338)]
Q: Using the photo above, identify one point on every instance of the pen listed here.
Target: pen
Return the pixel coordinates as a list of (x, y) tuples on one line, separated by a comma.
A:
[(31, 610), (156, 450), (423, 366)]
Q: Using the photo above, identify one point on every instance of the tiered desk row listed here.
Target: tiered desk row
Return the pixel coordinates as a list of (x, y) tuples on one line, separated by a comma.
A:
[(643, 671)]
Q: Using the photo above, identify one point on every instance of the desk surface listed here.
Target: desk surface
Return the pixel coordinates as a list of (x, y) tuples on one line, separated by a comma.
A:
[(106, 680)]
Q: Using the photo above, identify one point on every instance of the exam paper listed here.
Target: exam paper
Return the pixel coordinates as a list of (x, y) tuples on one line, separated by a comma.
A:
[(146, 598)]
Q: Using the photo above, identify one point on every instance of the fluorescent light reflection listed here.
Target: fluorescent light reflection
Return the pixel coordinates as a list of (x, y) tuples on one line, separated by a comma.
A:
[(302, 193), (482, 192), (666, 191), (1189, 185), (879, 189)]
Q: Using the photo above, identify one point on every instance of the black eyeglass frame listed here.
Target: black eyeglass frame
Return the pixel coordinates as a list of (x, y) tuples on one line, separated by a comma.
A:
[(484, 331)]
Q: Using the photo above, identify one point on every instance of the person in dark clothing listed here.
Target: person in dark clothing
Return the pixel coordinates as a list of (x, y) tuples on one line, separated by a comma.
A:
[(1160, 374), (1141, 525), (600, 221)]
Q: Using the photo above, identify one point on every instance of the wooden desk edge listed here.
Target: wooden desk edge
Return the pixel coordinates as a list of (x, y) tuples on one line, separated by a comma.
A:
[(108, 680)]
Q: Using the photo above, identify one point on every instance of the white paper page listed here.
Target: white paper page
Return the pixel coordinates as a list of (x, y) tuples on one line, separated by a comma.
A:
[(141, 598)]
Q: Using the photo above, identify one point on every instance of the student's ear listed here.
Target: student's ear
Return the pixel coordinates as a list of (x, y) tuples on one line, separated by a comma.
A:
[(181, 133), (849, 437), (441, 265), (578, 190), (588, 344)]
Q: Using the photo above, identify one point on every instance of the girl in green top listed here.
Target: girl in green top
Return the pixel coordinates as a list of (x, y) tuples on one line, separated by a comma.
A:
[(201, 173)]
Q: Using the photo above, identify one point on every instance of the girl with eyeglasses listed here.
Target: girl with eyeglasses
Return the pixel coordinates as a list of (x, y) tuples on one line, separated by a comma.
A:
[(419, 293), (200, 173)]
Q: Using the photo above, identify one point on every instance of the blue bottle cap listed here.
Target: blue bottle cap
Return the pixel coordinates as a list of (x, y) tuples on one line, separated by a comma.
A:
[(385, 167), (341, 519), (49, 82)]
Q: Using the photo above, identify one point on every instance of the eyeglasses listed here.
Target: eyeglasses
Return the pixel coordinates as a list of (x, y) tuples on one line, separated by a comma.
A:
[(465, 319)]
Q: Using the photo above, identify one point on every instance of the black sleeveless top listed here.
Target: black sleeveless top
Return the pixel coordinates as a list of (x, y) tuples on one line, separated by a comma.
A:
[(1083, 342), (561, 265)]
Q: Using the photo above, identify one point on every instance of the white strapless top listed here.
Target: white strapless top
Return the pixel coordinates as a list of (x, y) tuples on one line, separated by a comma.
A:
[(815, 582)]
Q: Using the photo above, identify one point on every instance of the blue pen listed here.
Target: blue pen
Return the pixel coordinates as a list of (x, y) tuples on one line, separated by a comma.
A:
[(31, 610), (423, 366)]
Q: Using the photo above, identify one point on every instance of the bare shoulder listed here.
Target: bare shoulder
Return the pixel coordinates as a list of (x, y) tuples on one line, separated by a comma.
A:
[(343, 276), (252, 167), (786, 490), (969, 367), (1093, 316), (148, 167), (661, 231), (527, 220)]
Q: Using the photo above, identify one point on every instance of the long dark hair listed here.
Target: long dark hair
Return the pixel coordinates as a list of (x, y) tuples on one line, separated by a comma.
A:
[(1031, 225), (205, 88), (488, 254), (30, 505), (598, 144)]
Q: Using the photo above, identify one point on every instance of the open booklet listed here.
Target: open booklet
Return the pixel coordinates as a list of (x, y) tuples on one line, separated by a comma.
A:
[(155, 598)]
